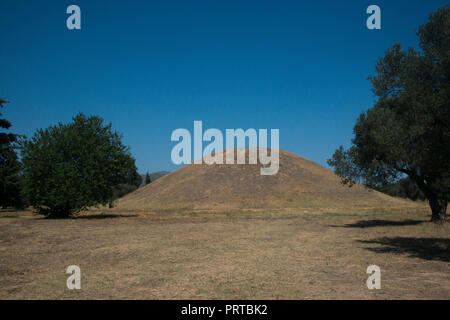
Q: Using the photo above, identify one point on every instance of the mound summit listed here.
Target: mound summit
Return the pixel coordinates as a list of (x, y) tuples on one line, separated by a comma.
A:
[(299, 184)]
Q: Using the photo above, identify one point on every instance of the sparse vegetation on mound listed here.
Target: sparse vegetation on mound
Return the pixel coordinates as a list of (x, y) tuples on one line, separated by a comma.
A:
[(300, 184)]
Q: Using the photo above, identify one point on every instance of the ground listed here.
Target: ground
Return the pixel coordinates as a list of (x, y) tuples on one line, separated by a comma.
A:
[(229, 256)]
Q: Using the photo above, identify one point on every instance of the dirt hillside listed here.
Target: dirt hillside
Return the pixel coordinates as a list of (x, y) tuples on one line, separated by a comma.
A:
[(300, 184)]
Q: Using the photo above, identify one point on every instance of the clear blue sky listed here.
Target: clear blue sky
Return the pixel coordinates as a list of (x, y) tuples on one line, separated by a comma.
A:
[(150, 67)]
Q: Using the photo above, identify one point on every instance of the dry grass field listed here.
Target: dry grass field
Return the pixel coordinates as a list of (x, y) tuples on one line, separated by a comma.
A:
[(246, 255)]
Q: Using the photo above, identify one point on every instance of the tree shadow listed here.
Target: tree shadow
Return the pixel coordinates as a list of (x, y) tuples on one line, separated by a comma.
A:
[(424, 248), (9, 209), (9, 217), (104, 216), (381, 223)]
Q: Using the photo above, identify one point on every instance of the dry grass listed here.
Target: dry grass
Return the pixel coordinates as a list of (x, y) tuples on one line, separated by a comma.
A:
[(247, 255)]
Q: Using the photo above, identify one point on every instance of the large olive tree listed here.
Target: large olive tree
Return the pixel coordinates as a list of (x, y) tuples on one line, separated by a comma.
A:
[(407, 132)]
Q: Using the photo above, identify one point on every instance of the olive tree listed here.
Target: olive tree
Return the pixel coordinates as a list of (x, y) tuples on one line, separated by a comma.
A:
[(407, 132)]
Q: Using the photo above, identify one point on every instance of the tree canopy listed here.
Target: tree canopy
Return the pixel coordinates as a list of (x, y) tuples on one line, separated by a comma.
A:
[(407, 132), (69, 167), (147, 179), (10, 190)]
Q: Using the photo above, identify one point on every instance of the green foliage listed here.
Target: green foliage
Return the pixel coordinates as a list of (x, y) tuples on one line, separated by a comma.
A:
[(147, 179), (125, 188), (404, 188), (122, 190), (10, 184), (408, 129), (69, 167), (6, 138)]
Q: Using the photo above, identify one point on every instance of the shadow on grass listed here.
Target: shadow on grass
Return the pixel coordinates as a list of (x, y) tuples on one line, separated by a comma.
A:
[(424, 248), (105, 216), (7, 210), (381, 223)]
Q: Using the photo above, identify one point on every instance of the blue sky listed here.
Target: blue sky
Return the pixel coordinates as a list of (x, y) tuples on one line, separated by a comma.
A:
[(150, 67)]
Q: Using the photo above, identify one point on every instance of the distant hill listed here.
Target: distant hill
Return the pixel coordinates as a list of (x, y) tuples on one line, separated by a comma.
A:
[(300, 184), (153, 176)]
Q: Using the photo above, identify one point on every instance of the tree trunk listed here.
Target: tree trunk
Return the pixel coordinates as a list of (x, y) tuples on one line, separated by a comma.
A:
[(438, 206), (438, 210)]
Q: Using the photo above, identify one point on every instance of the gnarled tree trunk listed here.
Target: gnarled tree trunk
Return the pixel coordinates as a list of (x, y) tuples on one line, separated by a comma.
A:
[(438, 206), (438, 210)]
